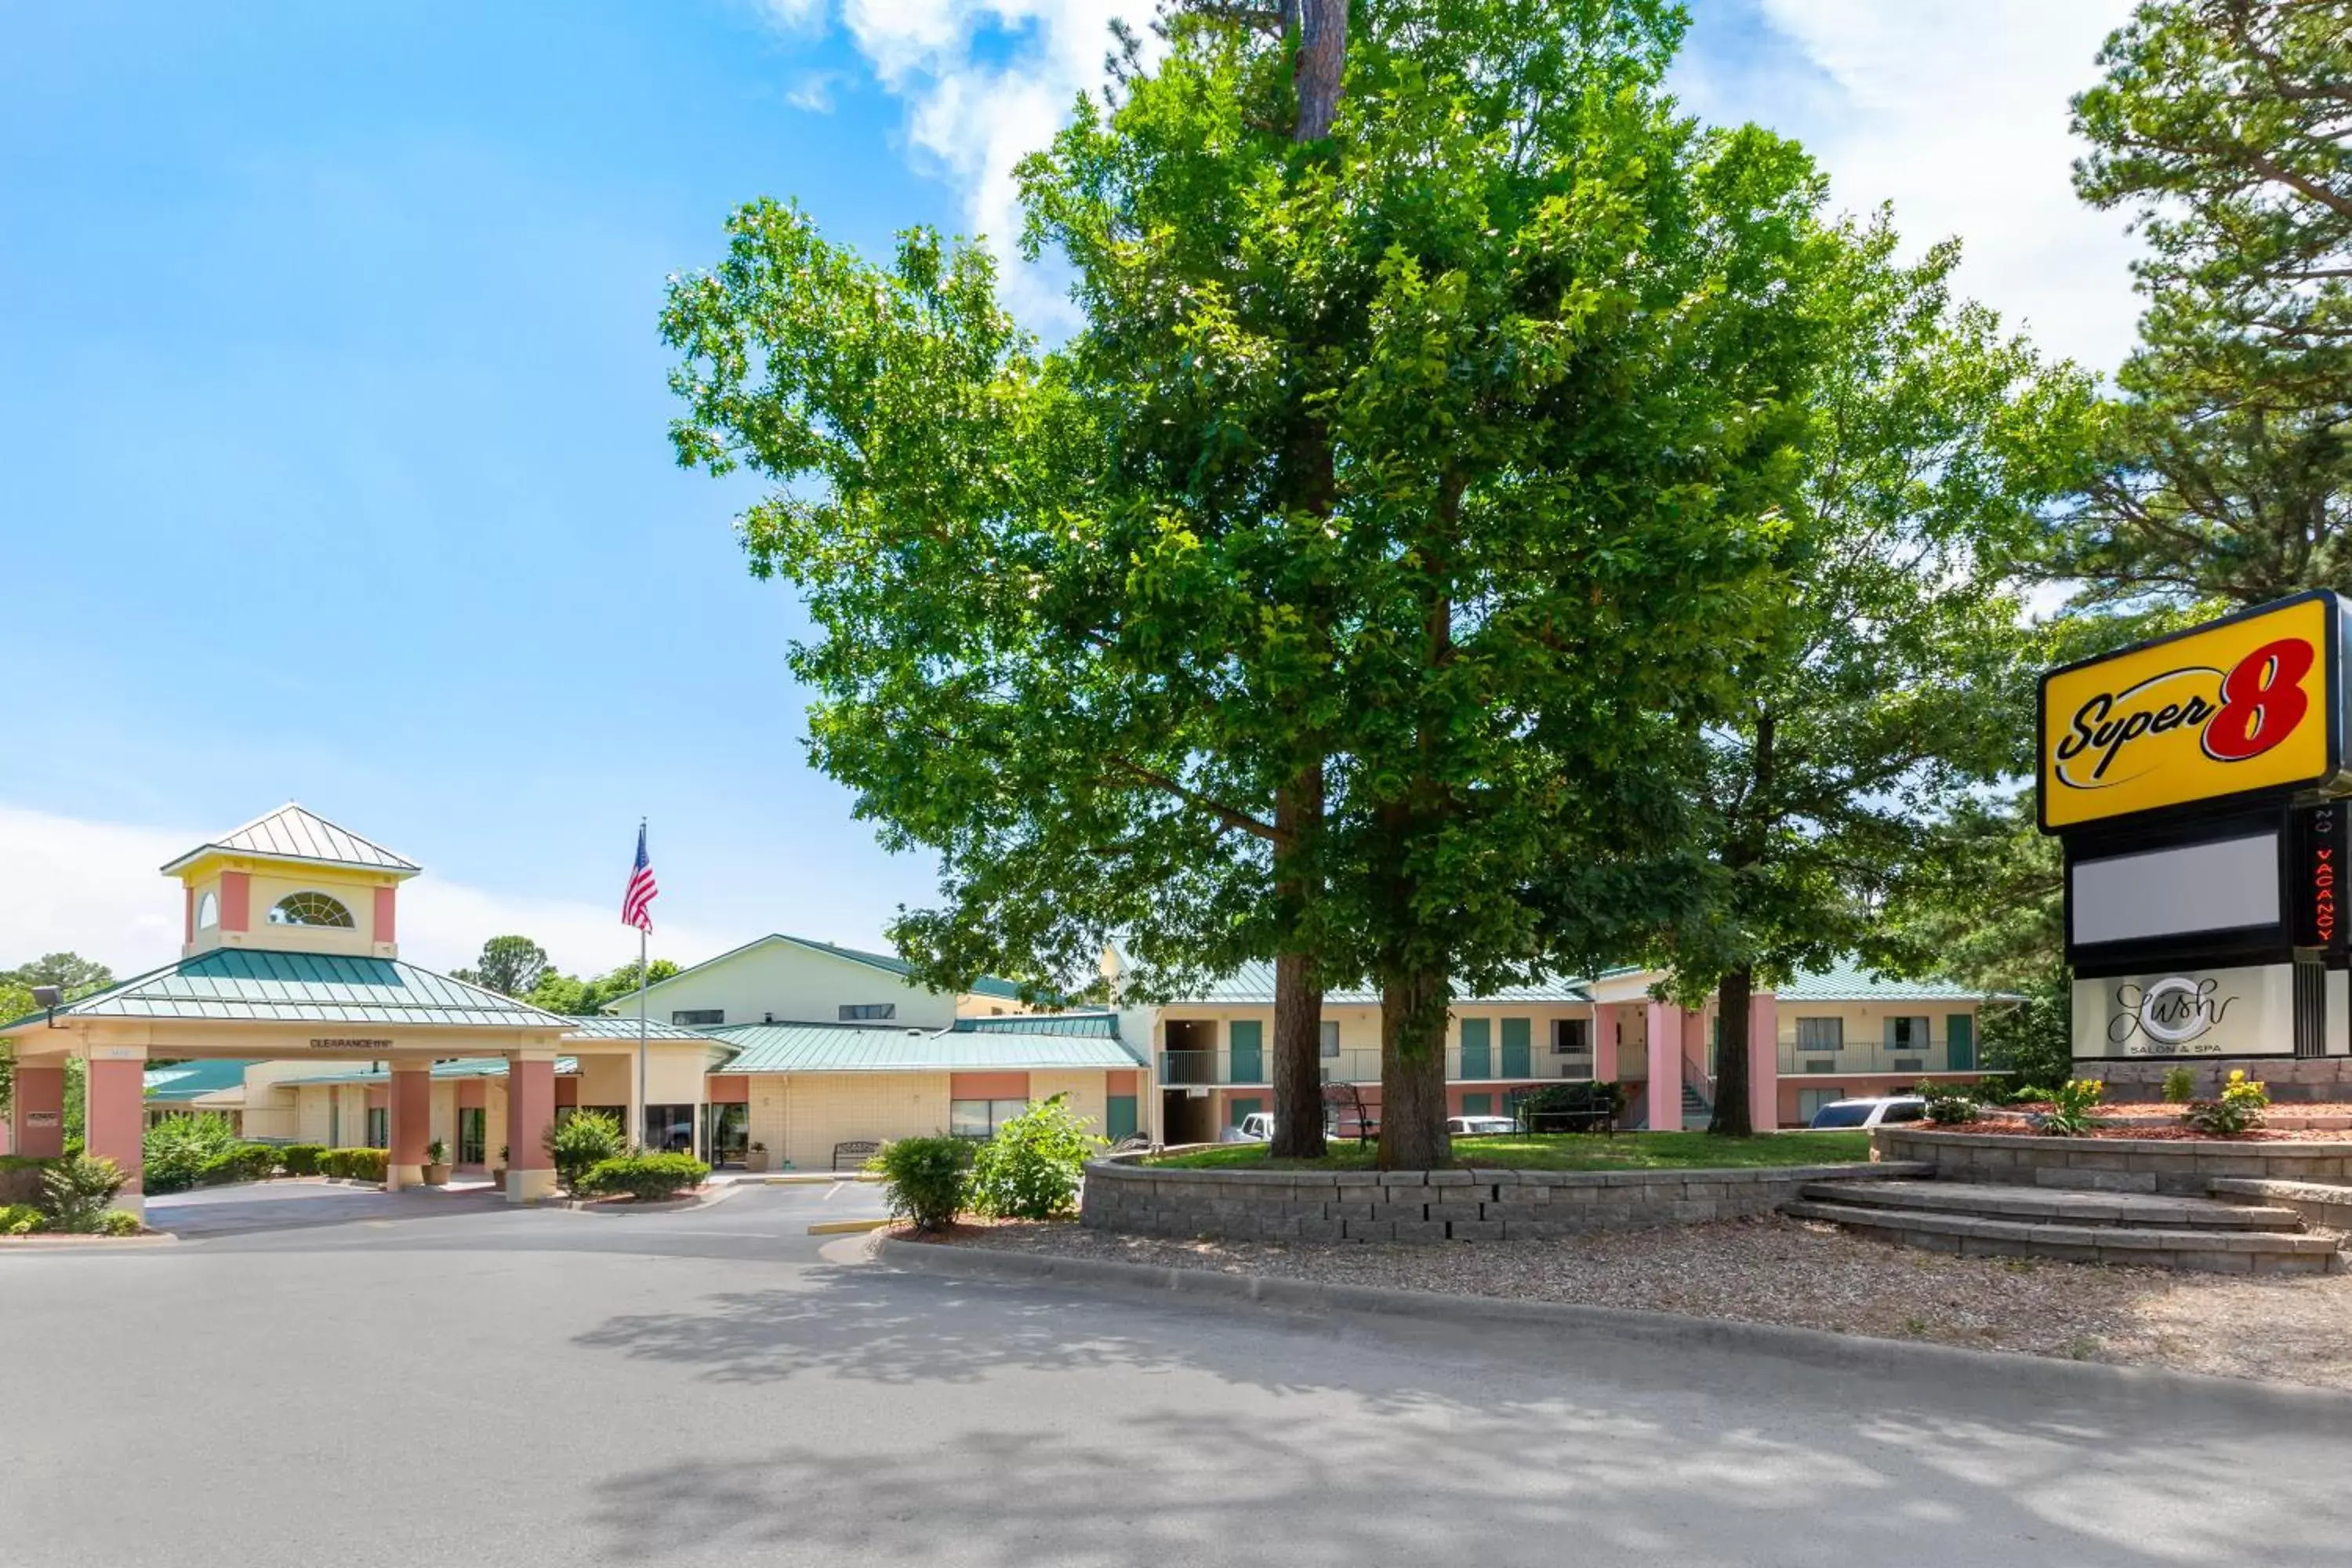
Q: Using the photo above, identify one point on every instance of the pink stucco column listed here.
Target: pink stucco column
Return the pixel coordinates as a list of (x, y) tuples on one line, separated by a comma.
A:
[(1764, 1061), (411, 1107), (114, 1124), (1695, 1050), (1666, 1041), (531, 1111), (37, 1119)]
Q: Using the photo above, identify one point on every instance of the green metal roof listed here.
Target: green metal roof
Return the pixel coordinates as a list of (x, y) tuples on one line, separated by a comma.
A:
[(189, 1081), (599, 1026), (459, 1067), (1850, 983), (1103, 1025), (1252, 985), (849, 1048), (242, 984)]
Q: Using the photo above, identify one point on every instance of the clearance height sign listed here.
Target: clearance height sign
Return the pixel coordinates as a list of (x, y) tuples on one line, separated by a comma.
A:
[(2248, 705)]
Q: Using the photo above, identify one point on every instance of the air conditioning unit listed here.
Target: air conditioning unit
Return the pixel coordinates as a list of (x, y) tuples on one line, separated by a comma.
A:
[(1910, 1064), (1822, 1066)]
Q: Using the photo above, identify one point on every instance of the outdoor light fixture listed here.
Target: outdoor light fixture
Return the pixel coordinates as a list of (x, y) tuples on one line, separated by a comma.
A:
[(50, 997)]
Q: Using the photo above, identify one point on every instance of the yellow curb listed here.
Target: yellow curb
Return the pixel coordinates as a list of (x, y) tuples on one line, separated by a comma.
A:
[(846, 1227)]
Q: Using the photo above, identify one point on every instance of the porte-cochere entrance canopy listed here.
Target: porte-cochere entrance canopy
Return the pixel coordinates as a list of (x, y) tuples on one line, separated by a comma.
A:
[(290, 950)]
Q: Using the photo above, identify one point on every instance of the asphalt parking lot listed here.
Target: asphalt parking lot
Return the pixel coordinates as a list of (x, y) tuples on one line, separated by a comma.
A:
[(480, 1385)]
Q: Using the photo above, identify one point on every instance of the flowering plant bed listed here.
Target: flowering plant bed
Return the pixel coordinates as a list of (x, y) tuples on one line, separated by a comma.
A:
[(2165, 1126)]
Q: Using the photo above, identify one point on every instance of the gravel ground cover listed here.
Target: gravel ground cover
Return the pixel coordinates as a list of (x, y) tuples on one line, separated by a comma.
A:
[(1777, 1270)]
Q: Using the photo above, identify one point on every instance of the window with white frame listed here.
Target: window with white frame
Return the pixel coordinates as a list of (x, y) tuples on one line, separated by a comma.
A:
[(853, 1012), (1821, 1033), (1330, 1038), (692, 1017), (981, 1117), (207, 912)]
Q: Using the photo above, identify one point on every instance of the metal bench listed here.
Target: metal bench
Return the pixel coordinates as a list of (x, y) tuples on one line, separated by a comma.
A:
[(856, 1151)]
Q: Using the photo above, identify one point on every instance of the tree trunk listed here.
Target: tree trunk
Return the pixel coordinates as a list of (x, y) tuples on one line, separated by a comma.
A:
[(1730, 1119), (1412, 1073), (1298, 998), (1322, 63)]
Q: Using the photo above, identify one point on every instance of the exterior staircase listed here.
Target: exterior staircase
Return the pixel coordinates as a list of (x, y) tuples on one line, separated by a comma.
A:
[(2256, 1236), (1697, 1110)]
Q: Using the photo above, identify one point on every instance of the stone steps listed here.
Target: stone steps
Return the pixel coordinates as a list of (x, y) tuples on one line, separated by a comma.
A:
[(2076, 1227), (2318, 1202), (2057, 1205)]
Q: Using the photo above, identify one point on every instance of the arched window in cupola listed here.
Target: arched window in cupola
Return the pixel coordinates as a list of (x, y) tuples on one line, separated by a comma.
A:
[(310, 909), (207, 912)]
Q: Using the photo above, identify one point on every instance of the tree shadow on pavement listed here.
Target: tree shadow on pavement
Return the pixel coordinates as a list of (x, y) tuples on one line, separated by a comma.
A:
[(1353, 1441)]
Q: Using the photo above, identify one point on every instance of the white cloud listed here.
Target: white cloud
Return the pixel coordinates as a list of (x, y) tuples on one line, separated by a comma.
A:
[(986, 82), (1955, 110), (92, 888), (813, 91)]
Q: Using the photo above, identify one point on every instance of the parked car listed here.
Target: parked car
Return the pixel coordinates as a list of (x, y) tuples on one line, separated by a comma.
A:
[(1870, 1112), (1480, 1126), (1257, 1127)]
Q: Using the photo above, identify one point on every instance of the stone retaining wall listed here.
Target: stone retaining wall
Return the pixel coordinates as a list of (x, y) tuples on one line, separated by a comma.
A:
[(2113, 1164), (2139, 1079), (1124, 1195)]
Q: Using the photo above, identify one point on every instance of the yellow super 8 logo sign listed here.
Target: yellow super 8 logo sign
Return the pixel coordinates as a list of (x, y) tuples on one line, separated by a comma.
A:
[(2241, 705)]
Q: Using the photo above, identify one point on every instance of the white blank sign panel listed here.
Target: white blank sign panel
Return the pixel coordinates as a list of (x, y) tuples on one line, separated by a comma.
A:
[(2175, 892)]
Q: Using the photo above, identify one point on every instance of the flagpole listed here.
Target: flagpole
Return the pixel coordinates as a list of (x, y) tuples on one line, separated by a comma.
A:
[(638, 1136)]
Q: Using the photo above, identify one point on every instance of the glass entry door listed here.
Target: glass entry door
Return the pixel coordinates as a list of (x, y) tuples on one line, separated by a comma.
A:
[(473, 1135), (727, 1133)]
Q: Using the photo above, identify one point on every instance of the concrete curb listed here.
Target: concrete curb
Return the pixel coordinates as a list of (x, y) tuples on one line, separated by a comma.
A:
[(2321, 1409), (701, 1200), (796, 1178), (41, 1243)]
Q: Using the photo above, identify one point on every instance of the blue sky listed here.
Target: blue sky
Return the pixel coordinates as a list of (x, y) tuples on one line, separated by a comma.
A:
[(332, 457)]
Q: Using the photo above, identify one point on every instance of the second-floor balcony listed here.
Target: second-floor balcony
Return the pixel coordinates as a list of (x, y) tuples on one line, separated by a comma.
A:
[(1362, 1065), (1853, 1057)]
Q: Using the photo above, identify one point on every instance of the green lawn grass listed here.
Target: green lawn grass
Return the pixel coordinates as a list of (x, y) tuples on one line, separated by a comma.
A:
[(1571, 1152)]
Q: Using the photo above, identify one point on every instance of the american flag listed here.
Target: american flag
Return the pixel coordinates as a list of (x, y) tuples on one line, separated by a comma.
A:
[(636, 904)]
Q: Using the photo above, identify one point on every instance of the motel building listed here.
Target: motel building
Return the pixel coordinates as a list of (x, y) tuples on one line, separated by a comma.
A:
[(291, 1012)]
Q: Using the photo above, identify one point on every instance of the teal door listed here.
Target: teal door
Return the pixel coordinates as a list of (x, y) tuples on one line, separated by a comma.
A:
[(1477, 1048), (1477, 1105), (1960, 1041), (1518, 1059), (1240, 1110), (1118, 1117), (1248, 1041)]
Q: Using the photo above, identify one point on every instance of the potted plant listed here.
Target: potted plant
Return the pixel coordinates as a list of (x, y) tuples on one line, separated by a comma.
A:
[(436, 1164), (498, 1171), (756, 1159)]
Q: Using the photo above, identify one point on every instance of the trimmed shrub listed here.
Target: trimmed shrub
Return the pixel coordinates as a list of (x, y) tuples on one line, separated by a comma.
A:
[(2180, 1087), (21, 1219), (1572, 1106), (120, 1222), (20, 1178), (76, 1192), (923, 1178), (246, 1163), (301, 1159), (178, 1151), (1032, 1168), (647, 1178), (1950, 1105), (580, 1142), (354, 1165)]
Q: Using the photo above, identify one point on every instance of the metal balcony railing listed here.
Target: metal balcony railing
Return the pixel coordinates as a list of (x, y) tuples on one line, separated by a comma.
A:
[(1858, 1057)]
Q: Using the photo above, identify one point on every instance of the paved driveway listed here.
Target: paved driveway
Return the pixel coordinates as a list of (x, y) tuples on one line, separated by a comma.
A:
[(279, 1205), (706, 1388)]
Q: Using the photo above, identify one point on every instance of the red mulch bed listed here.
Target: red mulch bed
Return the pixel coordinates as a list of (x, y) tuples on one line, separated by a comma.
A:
[(2129, 1121)]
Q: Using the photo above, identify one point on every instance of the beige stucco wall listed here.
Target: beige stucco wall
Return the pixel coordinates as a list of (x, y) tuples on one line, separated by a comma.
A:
[(1359, 1034), (821, 1110), (1085, 1088), (793, 985)]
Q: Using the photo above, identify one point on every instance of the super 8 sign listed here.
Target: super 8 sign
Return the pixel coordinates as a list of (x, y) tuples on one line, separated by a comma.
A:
[(2252, 704)]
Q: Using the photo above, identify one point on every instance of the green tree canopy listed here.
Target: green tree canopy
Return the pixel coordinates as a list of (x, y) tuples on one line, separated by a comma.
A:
[(510, 965), (1081, 614), (2225, 128), (77, 975), (1899, 679)]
